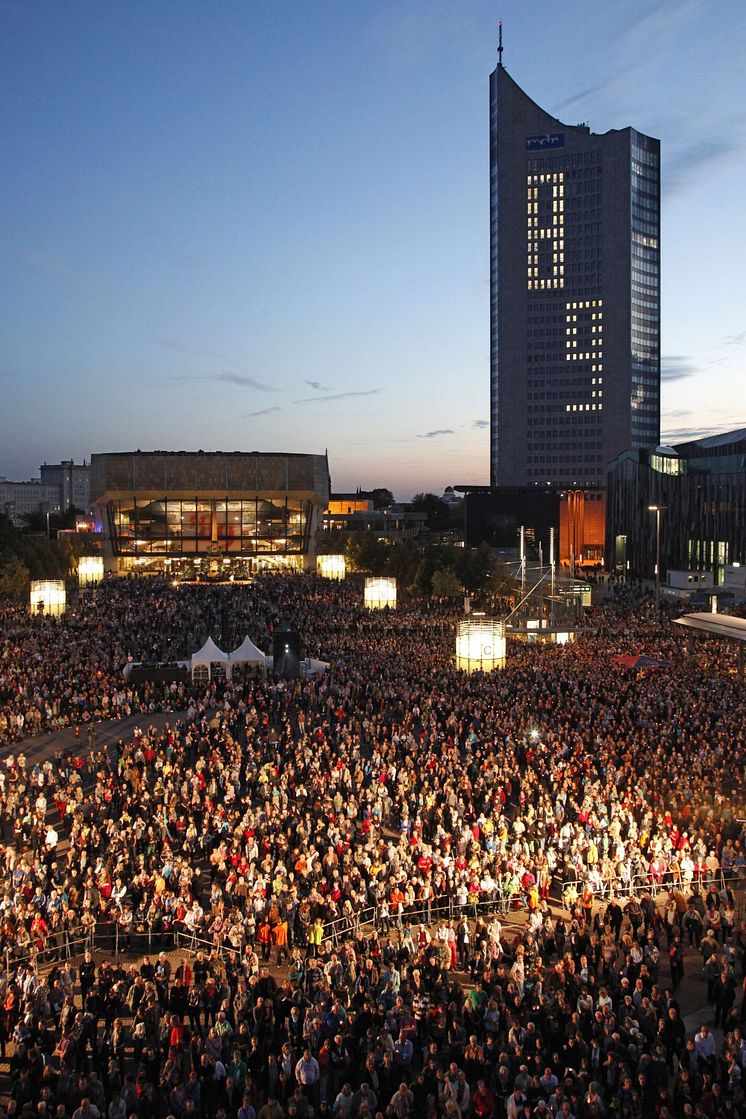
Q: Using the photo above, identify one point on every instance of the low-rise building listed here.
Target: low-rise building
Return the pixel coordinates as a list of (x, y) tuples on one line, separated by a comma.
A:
[(209, 513), (20, 500)]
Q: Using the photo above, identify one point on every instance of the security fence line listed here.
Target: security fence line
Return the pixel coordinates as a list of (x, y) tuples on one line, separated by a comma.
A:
[(107, 936)]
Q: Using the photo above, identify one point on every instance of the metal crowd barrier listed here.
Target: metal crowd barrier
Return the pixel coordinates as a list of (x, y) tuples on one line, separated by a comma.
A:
[(72, 942)]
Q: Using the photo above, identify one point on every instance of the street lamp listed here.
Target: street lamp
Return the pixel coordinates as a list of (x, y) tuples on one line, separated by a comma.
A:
[(657, 509)]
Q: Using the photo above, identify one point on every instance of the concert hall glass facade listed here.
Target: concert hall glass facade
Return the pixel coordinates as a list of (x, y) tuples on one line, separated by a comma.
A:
[(209, 513)]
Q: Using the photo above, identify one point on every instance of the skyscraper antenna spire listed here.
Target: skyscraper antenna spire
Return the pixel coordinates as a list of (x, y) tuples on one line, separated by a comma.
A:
[(500, 43)]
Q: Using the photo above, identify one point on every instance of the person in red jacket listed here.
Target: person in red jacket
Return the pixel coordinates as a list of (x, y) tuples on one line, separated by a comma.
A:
[(483, 1101)]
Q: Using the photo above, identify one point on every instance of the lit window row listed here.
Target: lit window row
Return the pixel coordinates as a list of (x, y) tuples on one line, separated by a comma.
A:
[(584, 407), (579, 306), (552, 229)]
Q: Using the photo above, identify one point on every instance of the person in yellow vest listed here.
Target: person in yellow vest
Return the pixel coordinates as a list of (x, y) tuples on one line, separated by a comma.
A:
[(315, 936)]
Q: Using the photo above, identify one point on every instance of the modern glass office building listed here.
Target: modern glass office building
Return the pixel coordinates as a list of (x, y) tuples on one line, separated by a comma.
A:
[(209, 514), (699, 488), (575, 294)]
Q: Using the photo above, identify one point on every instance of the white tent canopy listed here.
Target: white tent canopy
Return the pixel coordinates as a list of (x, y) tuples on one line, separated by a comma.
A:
[(208, 656), (247, 653)]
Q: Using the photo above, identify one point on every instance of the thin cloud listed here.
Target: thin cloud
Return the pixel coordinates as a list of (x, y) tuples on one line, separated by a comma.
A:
[(480, 423), (317, 385), (735, 339), (239, 379), (196, 349), (336, 396), (688, 434), (664, 17), (245, 382), (233, 376), (262, 412), (675, 367), (434, 434), (587, 91), (671, 10)]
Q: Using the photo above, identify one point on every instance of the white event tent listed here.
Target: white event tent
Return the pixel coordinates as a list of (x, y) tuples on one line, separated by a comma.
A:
[(248, 655), (209, 660)]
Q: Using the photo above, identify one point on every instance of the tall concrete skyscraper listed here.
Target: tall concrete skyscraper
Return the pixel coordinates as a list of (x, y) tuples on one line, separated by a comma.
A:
[(575, 294)]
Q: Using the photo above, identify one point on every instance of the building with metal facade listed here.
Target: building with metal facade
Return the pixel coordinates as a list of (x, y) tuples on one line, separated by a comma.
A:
[(575, 294), (209, 513)]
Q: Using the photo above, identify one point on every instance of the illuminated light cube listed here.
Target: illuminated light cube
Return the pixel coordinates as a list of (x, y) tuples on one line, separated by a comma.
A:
[(47, 596), (380, 592), (331, 567), (480, 645), (90, 570)]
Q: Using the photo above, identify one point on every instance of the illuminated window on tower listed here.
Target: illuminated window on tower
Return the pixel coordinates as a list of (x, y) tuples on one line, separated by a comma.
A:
[(584, 342), (546, 230)]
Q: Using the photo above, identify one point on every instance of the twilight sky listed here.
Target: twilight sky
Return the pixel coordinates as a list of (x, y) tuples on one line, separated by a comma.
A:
[(264, 224)]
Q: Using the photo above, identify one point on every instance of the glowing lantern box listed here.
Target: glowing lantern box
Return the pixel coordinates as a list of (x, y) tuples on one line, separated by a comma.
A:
[(48, 596), (90, 570), (480, 645), (380, 593), (331, 567)]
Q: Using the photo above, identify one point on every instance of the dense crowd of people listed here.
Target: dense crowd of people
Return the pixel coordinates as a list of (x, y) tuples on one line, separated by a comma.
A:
[(263, 825), (61, 672)]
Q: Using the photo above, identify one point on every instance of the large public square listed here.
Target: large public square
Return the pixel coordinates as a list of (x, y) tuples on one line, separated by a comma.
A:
[(392, 888)]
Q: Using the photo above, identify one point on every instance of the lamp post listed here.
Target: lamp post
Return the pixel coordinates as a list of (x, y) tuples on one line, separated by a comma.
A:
[(657, 509)]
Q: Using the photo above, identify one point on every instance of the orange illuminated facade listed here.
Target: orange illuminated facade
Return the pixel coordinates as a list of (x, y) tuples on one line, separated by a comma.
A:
[(345, 504), (582, 528)]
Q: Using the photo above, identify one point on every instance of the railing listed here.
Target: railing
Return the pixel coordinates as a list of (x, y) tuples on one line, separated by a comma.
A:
[(639, 883), (108, 935), (72, 942), (442, 908)]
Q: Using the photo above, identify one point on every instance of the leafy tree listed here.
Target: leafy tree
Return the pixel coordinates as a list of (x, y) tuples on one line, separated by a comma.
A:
[(403, 559), (438, 516), (42, 558), (14, 576), (365, 552), (381, 498), (480, 570), (446, 583), (433, 557)]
